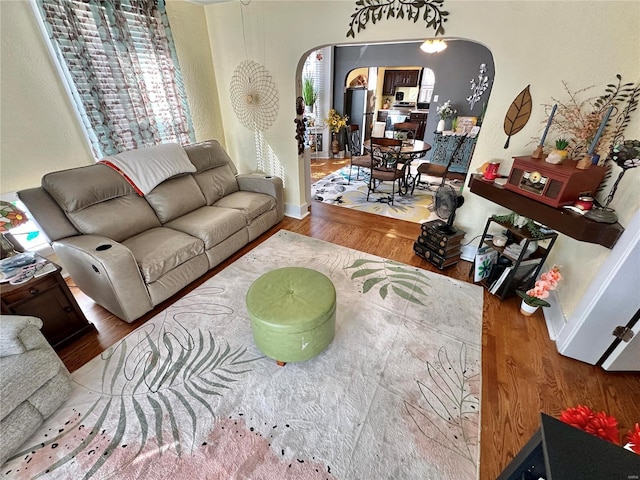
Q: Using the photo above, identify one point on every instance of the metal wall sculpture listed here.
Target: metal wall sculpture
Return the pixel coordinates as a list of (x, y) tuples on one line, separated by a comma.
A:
[(377, 10)]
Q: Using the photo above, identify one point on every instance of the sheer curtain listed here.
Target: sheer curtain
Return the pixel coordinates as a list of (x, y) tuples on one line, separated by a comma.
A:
[(119, 62)]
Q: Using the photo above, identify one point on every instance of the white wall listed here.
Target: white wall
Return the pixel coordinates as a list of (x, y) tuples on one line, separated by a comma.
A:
[(533, 42), (536, 43), (38, 128)]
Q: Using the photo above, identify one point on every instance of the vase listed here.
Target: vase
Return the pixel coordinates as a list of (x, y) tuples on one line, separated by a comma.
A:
[(441, 125), (527, 309), (308, 109), (335, 146)]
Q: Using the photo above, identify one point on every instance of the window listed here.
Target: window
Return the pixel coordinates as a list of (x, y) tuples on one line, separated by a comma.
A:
[(118, 61)]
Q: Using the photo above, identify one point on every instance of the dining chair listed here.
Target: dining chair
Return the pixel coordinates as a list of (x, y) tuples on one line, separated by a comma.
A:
[(384, 164), (405, 131), (355, 150)]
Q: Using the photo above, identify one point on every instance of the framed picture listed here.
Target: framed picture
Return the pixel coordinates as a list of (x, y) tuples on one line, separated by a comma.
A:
[(315, 142), (465, 124)]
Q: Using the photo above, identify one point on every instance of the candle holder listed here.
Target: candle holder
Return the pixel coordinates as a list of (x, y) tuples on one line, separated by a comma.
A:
[(538, 152), (585, 162)]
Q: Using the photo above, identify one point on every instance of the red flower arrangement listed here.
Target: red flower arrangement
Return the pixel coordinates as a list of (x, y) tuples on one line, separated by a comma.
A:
[(601, 425)]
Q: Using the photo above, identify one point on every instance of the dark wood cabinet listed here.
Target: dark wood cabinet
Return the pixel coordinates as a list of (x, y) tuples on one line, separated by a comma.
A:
[(399, 78), (49, 299), (389, 86), (564, 221)]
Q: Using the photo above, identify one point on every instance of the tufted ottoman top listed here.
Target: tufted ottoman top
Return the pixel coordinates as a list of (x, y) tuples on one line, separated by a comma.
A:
[(291, 299)]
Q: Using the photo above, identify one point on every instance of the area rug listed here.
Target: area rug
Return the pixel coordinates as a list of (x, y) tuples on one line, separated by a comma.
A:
[(335, 189), (189, 396)]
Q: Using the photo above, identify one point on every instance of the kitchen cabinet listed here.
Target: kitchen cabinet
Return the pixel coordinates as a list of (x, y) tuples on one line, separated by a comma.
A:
[(514, 272), (399, 78), (48, 298)]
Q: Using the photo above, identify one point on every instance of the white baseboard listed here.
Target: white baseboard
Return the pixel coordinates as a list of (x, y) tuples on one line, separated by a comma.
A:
[(296, 211), (553, 316)]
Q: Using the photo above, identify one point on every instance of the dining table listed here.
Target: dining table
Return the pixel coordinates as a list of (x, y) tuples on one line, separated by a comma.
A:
[(409, 151)]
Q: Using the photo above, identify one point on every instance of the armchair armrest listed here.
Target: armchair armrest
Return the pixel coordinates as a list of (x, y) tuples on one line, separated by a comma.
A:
[(107, 272), (259, 183), (11, 338)]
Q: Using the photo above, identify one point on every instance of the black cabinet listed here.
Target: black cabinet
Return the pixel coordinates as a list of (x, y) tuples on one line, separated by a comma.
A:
[(561, 452), (514, 271)]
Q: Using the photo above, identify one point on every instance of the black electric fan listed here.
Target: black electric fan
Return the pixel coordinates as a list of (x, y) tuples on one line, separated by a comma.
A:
[(447, 199)]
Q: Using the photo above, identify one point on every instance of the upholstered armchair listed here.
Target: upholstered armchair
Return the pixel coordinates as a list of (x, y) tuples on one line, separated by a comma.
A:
[(33, 381)]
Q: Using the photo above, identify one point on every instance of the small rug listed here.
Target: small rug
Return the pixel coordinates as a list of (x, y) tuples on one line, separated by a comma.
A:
[(335, 189), (188, 395)]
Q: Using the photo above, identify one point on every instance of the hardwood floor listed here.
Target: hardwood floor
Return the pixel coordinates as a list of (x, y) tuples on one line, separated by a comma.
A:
[(522, 373)]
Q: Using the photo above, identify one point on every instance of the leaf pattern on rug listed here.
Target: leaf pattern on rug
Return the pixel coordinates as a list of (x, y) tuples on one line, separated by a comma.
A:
[(451, 419), (386, 274), (145, 378)]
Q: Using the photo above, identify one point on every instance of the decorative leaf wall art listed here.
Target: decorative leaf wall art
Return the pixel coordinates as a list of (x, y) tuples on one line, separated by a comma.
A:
[(376, 10), (518, 114)]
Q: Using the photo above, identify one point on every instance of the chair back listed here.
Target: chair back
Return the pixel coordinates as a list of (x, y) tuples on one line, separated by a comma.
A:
[(353, 140), (405, 131), (384, 152)]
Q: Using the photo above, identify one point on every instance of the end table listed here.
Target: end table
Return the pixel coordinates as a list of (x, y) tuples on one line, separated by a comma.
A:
[(47, 297)]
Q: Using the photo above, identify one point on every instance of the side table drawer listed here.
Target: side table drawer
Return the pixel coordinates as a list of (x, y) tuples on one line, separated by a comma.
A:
[(35, 287)]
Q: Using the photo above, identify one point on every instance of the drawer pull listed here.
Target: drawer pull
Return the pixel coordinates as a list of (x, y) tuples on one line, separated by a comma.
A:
[(34, 291)]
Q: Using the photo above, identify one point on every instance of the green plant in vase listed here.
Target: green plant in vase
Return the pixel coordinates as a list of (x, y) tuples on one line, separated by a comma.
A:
[(560, 153), (309, 93), (535, 297)]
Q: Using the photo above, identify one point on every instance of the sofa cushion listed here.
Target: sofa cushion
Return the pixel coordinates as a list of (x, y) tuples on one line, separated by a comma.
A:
[(210, 224), (209, 154), (216, 183), (159, 250), (118, 218), (82, 187), (176, 197), (251, 204), (21, 375)]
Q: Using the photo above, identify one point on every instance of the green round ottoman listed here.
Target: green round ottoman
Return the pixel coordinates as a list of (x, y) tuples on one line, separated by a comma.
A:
[(293, 313)]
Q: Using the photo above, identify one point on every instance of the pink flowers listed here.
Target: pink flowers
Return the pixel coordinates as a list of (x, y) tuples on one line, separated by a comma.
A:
[(548, 281)]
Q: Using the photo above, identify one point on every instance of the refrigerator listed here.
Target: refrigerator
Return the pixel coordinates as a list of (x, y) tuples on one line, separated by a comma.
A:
[(357, 103)]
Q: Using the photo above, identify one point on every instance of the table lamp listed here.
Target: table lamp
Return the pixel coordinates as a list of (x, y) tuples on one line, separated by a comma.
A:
[(10, 217)]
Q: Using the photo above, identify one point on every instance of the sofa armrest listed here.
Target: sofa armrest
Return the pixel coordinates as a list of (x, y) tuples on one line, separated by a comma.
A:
[(12, 342), (107, 272), (259, 183)]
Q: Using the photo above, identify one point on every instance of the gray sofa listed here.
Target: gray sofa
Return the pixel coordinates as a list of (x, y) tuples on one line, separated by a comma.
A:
[(33, 381), (130, 252)]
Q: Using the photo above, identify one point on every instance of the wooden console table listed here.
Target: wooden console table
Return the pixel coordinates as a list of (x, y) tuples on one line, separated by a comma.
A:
[(564, 221)]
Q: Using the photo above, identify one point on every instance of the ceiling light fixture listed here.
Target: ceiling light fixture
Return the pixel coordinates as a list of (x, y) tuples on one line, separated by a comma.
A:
[(433, 46)]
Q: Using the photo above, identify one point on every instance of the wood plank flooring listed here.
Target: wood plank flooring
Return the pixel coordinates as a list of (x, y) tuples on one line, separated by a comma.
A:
[(523, 374)]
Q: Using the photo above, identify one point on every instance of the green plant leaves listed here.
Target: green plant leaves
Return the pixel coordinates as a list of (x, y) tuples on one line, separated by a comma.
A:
[(404, 281)]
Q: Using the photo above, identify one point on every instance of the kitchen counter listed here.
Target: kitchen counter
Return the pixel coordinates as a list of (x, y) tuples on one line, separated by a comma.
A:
[(420, 111)]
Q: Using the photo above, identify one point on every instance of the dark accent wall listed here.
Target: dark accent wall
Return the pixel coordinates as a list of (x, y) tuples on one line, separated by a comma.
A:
[(453, 69)]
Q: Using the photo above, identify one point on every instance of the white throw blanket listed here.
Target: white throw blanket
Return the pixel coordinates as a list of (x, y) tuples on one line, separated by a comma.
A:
[(145, 168)]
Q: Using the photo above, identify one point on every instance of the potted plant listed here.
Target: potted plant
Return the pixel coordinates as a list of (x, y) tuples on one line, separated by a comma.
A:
[(534, 297), (335, 122), (444, 111), (559, 154), (309, 94)]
